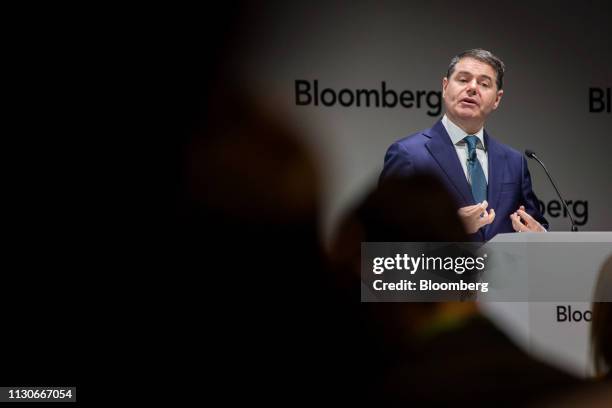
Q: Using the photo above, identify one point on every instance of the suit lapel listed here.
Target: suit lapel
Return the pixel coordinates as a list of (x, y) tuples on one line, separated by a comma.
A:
[(443, 151), (497, 166)]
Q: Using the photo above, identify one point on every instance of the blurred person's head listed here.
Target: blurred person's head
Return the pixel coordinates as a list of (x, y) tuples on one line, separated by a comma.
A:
[(248, 217), (415, 209), (248, 203), (601, 324), (249, 181)]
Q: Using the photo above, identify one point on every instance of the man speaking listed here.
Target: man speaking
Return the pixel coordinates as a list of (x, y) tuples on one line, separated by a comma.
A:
[(490, 181)]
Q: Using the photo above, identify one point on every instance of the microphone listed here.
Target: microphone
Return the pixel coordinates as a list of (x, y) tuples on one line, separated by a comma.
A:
[(531, 154)]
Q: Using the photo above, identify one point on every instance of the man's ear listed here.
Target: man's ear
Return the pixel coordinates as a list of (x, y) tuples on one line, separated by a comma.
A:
[(500, 93), (444, 85)]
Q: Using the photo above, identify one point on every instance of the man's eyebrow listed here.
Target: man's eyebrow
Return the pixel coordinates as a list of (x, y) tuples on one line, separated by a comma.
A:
[(479, 76)]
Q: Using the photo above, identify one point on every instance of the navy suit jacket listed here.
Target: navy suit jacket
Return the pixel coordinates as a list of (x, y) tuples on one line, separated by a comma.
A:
[(509, 184)]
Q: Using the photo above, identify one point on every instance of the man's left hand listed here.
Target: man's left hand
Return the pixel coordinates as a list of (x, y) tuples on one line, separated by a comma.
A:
[(523, 222)]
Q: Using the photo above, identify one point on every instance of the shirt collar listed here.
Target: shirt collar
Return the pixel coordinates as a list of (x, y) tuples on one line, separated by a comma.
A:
[(457, 134)]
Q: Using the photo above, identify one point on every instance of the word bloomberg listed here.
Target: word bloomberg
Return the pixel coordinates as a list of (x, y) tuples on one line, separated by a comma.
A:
[(308, 93), (600, 100), (554, 209), (566, 314)]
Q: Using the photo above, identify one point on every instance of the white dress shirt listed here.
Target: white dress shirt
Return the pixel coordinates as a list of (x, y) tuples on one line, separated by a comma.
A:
[(457, 135)]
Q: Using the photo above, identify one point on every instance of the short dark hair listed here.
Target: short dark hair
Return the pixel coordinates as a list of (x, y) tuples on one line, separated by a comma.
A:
[(483, 56)]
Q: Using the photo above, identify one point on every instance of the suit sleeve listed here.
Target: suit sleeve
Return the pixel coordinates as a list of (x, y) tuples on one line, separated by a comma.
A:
[(397, 163), (529, 199)]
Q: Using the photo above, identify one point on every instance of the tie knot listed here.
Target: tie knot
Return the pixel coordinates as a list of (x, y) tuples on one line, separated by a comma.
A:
[(472, 142)]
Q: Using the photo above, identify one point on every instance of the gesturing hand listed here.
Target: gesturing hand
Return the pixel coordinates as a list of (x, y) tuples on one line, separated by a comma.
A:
[(523, 222), (476, 216)]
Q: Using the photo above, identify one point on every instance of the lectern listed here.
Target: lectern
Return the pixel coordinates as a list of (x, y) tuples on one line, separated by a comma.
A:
[(541, 292)]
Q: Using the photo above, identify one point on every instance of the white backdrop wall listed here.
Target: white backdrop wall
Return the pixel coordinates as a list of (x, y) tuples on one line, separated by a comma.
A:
[(554, 53)]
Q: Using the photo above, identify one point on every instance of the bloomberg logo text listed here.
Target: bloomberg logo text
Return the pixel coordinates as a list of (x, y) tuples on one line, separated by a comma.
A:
[(308, 93)]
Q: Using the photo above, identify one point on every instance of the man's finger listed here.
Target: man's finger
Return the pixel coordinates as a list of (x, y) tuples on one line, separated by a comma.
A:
[(516, 223), (491, 215), (476, 209), (469, 209), (531, 223), (526, 217), (480, 210), (518, 227), (486, 219)]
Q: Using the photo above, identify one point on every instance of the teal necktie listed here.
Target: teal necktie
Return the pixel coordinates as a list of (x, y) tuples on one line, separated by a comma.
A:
[(476, 175)]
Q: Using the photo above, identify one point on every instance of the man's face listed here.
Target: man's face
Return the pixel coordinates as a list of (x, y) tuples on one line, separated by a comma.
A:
[(471, 94)]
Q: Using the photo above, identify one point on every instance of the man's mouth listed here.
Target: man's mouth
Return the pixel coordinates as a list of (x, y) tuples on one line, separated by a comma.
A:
[(469, 101)]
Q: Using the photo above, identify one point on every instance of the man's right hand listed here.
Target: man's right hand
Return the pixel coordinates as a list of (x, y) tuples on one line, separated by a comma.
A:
[(476, 216)]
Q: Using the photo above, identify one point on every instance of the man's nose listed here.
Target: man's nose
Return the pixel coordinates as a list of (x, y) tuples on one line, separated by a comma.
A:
[(472, 85)]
